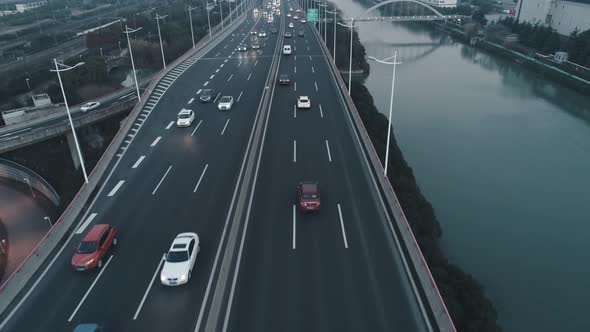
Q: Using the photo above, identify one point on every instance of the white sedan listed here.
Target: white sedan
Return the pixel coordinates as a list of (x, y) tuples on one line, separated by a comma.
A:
[(180, 259), (185, 118), (90, 106), (291, 25), (303, 102), (225, 103)]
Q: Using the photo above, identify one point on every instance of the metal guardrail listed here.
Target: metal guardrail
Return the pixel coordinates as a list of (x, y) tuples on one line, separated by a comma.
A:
[(23, 274), (16, 172), (416, 262)]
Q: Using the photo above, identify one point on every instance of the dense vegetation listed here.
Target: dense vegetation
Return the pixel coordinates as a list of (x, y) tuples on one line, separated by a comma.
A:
[(470, 310), (546, 40)]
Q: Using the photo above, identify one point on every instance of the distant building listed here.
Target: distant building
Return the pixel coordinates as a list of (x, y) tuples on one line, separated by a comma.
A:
[(41, 100), (22, 7), (563, 16), (441, 3)]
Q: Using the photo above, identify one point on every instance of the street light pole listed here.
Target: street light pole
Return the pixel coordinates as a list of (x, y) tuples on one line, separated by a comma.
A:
[(221, 14), (127, 32), (49, 220), (394, 63), (158, 18), (350, 57), (58, 70), (334, 39), (190, 17), (208, 19), (28, 85)]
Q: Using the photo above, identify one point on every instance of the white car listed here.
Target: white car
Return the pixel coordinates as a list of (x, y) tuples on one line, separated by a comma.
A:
[(180, 259), (89, 106), (288, 14), (291, 25), (262, 34), (303, 102), (286, 49), (225, 103), (185, 118), (303, 20), (295, 17)]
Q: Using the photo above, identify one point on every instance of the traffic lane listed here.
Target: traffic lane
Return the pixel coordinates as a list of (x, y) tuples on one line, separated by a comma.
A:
[(54, 288), (171, 185)]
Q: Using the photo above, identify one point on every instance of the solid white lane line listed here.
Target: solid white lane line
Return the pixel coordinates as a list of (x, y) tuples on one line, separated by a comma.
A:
[(214, 100), (197, 127), (223, 131), (117, 186), (240, 96), (211, 77), (342, 226), (312, 70), (230, 76), (249, 76), (148, 289), (316, 86), (206, 83), (191, 100), (169, 125), (328, 148), (294, 151), (138, 162), (199, 91), (161, 180), (156, 141), (90, 289), (86, 223), (201, 178), (321, 113), (295, 86), (294, 111), (294, 227)]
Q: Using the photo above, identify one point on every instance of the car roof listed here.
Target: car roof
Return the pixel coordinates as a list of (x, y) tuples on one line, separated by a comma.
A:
[(95, 232), (303, 97), (184, 111), (182, 240), (309, 188), (284, 75)]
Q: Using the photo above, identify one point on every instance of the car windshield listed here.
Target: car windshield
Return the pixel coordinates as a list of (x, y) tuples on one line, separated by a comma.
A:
[(310, 196), (225, 99), (184, 116), (177, 256), (284, 77), (86, 247), (303, 100), (207, 92)]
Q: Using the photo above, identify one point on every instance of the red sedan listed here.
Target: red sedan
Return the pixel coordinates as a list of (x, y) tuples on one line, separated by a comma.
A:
[(93, 247), (308, 196)]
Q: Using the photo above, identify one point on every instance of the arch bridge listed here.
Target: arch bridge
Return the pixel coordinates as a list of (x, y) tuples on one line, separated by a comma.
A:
[(403, 11)]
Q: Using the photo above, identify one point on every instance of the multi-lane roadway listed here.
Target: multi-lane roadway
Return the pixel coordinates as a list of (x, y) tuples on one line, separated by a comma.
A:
[(335, 270)]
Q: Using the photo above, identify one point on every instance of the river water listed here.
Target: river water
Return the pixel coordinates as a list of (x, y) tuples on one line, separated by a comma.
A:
[(503, 155)]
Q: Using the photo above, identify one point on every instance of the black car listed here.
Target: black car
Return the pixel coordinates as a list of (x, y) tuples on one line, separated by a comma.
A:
[(284, 79), (274, 31), (207, 95), (287, 35), (300, 33)]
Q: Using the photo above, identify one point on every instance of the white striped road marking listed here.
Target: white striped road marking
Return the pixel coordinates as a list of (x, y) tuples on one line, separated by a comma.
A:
[(217, 70), (205, 84), (342, 226), (90, 289), (308, 48), (226, 122), (86, 223), (138, 162), (239, 64), (221, 66), (169, 125), (148, 289), (211, 77), (200, 178), (240, 96), (312, 70), (295, 69), (328, 148), (295, 58), (161, 180), (295, 86), (230, 76), (295, 111), (225, 61), (321, 113), (294, 48), (197, 127), (310, 55), (249, 77), (191, 100), (294, 151), (114, 190), (214, 100), (199, 91), (255, 63), (294, 226), (316, 86), (156, 141), (217, 54)]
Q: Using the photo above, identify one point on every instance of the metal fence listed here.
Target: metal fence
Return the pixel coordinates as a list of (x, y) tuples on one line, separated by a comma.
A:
[(16, 172)]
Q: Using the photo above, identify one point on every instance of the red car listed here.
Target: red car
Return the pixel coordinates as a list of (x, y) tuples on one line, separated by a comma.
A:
[(308, 196), (93, 247)]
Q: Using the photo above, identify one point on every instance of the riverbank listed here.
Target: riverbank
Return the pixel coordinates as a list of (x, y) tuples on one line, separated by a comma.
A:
[(464, 297)]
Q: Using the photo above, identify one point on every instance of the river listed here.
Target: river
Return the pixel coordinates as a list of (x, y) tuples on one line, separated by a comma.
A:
[(503, 155)]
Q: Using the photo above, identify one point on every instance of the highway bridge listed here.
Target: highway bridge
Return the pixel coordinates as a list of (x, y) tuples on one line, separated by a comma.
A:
[(231, 177)]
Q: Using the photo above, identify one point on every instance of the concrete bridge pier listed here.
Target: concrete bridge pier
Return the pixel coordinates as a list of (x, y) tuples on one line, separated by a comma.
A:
[(73, 151)]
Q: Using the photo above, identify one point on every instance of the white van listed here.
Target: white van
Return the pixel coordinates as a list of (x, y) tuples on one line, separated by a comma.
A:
[(286, 49)]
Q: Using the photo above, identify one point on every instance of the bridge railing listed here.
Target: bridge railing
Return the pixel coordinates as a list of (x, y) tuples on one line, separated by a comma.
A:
[(16, 172), (418, 268), (57, 235)]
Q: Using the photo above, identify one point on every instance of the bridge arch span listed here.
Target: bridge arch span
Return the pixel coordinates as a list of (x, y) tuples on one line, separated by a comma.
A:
[(387, 2)]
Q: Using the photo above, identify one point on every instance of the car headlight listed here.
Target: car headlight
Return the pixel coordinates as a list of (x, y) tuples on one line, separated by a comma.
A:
[(89, 262), (183, 277), (163, 277)]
